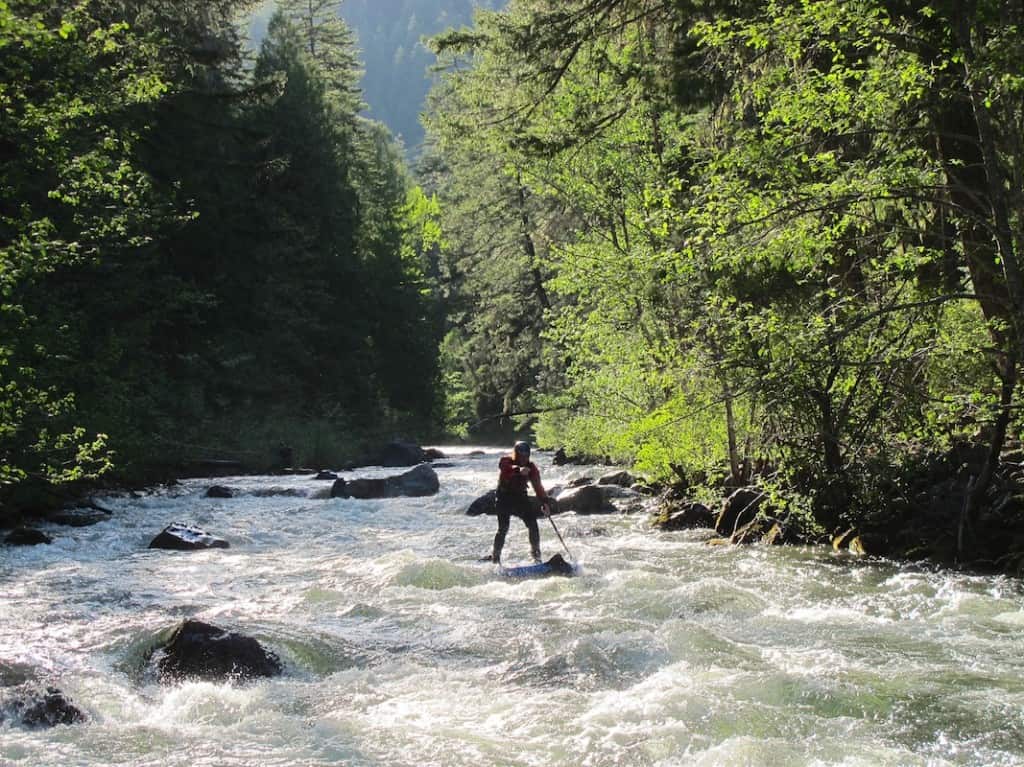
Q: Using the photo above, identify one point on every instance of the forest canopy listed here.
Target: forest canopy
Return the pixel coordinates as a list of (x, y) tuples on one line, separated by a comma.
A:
[(778, 239), (201, 254)]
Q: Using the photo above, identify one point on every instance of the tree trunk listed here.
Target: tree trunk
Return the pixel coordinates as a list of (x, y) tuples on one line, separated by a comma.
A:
[(994, 177), (529, 249)]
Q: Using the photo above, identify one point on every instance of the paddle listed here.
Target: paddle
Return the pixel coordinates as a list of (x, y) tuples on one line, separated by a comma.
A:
[(544, 508)]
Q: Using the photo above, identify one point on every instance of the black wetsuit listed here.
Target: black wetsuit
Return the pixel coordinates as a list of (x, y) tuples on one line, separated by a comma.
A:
[(512, 501)]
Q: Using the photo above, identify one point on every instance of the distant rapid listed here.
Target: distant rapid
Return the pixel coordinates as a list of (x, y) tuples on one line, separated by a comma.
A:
[(401, 648)]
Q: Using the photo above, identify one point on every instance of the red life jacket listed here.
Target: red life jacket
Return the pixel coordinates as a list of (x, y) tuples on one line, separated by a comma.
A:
[(511, 481)]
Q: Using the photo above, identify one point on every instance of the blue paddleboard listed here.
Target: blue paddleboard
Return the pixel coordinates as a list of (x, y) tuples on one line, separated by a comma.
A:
[(554, 566)]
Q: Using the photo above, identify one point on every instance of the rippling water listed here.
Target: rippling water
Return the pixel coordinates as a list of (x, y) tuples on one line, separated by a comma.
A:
[(402, 649)]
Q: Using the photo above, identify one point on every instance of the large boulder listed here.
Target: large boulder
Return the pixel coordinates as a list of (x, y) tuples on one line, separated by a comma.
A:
[(396, 454), (199, 650), (179, 537), (598, 499), (417, 482), (685, 516), (739, 509), (487, 504), (589, 499), (621, 478), (26, 536)]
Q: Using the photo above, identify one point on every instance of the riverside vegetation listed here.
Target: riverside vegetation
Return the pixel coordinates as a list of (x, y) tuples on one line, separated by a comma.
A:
[(736, 245)]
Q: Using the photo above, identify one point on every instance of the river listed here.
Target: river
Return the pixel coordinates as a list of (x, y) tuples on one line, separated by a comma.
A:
[(401, 649)]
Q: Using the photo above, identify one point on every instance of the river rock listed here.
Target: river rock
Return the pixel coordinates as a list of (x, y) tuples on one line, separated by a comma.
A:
[(643, 489), (487, 504), (199, 650), (39, 708), (275, 491), (322, 475), (686, 516), (589, 499), (580, 482), (433, 454), (219, 491), (621, 478), (179, 537), (739, 508), (757, 530), (27, 536), (417, 482), (77, 517), (562, 458)]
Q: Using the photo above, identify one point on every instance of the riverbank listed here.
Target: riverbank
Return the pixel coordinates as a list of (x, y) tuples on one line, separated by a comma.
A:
[(922, 515)]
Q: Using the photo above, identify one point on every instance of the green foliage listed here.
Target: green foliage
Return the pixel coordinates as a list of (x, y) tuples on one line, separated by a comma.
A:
[(787, 235), (196, 254), (68, 195)]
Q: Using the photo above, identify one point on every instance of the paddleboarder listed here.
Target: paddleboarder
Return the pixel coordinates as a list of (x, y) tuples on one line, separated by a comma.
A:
[(515, 472)]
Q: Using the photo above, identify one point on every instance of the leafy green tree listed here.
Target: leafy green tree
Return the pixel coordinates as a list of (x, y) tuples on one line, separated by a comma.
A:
[(784, 226), (70, 195)]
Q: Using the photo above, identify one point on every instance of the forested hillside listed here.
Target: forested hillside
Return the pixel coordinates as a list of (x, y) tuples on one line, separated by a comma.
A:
[(396, 63), (747, 243), (199, 258), (735, 244)]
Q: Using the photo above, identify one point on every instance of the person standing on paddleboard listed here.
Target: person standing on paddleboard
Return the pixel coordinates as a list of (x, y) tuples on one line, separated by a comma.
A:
[(515, 471)]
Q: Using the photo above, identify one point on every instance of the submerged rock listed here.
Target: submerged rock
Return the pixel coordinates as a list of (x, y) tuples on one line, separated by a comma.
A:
[(77, 517), (275, 491), (13, 674), (27, 536), (219, 491), (418, 482), (199, 650), (39, 708), (179, 537)]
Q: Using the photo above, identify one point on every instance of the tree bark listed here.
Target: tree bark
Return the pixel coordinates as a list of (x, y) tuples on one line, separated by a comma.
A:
[(529, 248)]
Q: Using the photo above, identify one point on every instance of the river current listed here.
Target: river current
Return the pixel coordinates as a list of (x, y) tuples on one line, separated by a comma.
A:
[(400, 648)]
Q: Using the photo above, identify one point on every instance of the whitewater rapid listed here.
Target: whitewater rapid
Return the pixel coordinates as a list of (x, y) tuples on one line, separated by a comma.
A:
[(400, 648)]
